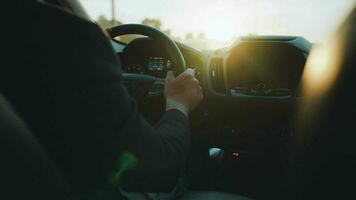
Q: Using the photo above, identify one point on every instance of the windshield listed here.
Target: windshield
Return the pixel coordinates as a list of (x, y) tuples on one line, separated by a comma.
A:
[(209, 24)]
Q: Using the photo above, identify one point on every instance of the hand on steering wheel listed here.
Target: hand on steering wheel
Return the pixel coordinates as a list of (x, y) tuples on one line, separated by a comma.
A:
[(183, 92)]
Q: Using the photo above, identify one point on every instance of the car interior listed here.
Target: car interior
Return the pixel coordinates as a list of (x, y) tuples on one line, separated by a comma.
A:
[(270, 125)]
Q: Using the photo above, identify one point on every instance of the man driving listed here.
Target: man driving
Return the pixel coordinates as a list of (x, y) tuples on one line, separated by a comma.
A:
[(69, 89)]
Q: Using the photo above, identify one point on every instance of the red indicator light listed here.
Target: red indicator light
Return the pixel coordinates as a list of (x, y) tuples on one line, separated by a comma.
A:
[(235, 154)]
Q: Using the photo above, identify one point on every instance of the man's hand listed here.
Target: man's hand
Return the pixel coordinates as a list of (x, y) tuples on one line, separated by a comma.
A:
[(183, 92)]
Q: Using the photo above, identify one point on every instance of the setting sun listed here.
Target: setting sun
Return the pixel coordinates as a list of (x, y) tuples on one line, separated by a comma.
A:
[(220, 26), (223, 21)]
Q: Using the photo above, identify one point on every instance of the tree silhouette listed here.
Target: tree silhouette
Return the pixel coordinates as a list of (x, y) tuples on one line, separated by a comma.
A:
[(189, 36), (167, 31), (156, 23), (105, 23), (201, 36)]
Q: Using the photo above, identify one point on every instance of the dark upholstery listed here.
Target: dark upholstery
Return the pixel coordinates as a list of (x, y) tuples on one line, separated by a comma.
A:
[(26, 172), (324, 151), (64, 79)]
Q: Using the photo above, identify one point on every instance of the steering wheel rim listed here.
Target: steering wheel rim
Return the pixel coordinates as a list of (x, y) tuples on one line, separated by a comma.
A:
[(175, 55)]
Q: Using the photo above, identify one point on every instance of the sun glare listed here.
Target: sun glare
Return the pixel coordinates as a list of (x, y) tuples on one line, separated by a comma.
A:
[(322, 67), (220, 27), (225, 21)]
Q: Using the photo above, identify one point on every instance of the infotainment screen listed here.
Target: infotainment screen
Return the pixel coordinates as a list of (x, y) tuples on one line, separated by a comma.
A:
[(272, 65)]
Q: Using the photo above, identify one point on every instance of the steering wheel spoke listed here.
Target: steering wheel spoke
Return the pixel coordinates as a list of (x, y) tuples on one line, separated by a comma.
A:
[(157, 88), (138, 85)]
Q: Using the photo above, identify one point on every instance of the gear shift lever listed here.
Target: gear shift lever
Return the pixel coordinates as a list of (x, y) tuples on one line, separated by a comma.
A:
[(216, 156)]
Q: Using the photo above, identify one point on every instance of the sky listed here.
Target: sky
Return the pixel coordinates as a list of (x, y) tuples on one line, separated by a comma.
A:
[(225, 20)]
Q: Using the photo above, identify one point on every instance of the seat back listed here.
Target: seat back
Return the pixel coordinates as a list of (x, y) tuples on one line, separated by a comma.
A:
[(26, 172)]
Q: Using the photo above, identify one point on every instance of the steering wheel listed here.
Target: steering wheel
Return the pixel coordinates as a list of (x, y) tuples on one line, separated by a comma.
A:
[(143, 85)]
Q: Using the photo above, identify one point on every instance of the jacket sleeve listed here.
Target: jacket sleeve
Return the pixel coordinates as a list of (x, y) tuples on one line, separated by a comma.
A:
[(82, 113)]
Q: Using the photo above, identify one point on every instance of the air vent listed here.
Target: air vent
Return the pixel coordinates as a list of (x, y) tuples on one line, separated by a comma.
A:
[(217, 75)]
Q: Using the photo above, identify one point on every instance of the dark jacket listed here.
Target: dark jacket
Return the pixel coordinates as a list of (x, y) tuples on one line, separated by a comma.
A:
[(65, 82)]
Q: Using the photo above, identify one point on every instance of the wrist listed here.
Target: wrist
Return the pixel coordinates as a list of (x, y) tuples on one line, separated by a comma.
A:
[(174, 104)]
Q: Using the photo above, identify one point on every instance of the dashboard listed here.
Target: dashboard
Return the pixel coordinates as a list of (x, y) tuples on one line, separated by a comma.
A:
[(258, 67)]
